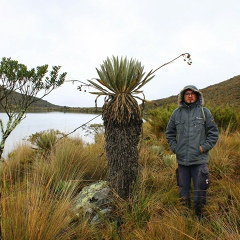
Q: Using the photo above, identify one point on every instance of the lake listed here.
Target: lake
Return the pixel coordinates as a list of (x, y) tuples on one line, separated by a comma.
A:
[(40, 121)]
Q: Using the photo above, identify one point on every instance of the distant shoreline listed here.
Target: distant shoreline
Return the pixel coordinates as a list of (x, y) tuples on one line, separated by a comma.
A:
[(93, 110)]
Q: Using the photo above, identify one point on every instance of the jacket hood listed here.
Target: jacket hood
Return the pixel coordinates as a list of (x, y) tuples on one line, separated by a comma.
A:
[(194, 89)]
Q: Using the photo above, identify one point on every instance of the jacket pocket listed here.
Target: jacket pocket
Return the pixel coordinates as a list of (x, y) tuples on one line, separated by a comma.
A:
[(179, 126), (180, 148), (198, 125)]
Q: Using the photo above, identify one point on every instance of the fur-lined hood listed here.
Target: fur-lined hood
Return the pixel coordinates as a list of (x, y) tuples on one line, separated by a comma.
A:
[(194, 89)]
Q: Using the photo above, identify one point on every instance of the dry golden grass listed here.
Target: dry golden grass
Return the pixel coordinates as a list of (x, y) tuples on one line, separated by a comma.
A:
[(37, 194), (30, 211), (37, 191)]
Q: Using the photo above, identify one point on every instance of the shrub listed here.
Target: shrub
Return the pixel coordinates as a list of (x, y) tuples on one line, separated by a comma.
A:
[(45, 140), (159, 118), (96, 129), (227, 119)]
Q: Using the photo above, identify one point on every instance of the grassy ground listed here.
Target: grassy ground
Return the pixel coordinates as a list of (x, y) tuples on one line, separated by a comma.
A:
[(38, 191)]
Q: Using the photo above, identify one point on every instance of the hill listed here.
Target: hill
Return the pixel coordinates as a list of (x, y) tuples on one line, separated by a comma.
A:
[(221, 94), (43, 105), (16, 97)]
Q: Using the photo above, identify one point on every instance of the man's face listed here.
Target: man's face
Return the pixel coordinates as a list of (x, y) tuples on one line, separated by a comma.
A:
[(190, 96)]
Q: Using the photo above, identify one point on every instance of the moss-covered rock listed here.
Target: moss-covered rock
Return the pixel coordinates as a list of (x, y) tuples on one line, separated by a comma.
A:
[(94, 201)]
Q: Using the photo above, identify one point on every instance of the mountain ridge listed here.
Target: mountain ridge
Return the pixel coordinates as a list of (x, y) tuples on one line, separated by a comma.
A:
[(225, 92), (221, 94)]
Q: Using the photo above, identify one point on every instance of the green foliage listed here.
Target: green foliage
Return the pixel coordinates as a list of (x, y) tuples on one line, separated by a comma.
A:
[(45, 140), (97, 130), (120, 76), (16, 76), (158, 118), (227, 118), (19, 88), (125, 76), (119, 79)]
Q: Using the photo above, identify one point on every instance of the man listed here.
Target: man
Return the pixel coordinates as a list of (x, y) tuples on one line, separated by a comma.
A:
[(191, 134)]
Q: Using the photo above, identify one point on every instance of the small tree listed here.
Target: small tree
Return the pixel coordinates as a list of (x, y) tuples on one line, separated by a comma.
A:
[(119, 80), (19, 88)]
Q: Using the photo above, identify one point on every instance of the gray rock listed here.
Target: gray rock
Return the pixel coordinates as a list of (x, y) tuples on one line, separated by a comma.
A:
[(98, 218), (94, 201)]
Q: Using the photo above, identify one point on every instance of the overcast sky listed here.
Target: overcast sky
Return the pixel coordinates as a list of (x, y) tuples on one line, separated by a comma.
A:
[(80, 34)]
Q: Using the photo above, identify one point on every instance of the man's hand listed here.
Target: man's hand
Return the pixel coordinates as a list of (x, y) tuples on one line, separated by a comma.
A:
[(201, 149)]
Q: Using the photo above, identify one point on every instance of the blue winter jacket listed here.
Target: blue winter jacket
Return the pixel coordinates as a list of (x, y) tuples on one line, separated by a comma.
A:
[(190, 127)]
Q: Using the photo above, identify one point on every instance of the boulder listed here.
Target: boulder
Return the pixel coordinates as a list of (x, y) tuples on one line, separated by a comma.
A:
[(94, 201)]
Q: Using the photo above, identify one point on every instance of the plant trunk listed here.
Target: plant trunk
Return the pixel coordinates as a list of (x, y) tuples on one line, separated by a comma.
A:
[(1, 152), (122, 153)]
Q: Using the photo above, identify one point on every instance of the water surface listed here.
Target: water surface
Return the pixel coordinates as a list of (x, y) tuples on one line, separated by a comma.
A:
[(41, 121)]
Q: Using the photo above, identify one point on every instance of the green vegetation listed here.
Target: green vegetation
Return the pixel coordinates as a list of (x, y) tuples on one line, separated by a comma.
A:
[(219, 95), (15, 77), (39, 185), (91, 110), (38, 189), (120, 80), (227, 118), (158, 118)]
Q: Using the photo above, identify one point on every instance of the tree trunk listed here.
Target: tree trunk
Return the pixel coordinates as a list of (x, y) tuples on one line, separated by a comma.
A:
[(1, 152), (122, 153)]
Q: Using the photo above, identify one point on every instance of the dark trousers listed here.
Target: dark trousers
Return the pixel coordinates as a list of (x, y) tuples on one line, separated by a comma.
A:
[(199, 174)]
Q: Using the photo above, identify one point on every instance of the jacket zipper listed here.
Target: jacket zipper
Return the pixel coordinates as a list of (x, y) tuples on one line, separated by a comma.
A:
[(188, 139)]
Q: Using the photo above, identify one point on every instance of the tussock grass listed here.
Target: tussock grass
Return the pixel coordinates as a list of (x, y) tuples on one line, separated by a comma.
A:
[(224, 157), (38, 193), (30, 211)]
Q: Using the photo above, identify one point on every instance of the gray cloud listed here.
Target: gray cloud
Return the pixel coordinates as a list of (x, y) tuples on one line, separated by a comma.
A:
[(79, 35)]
